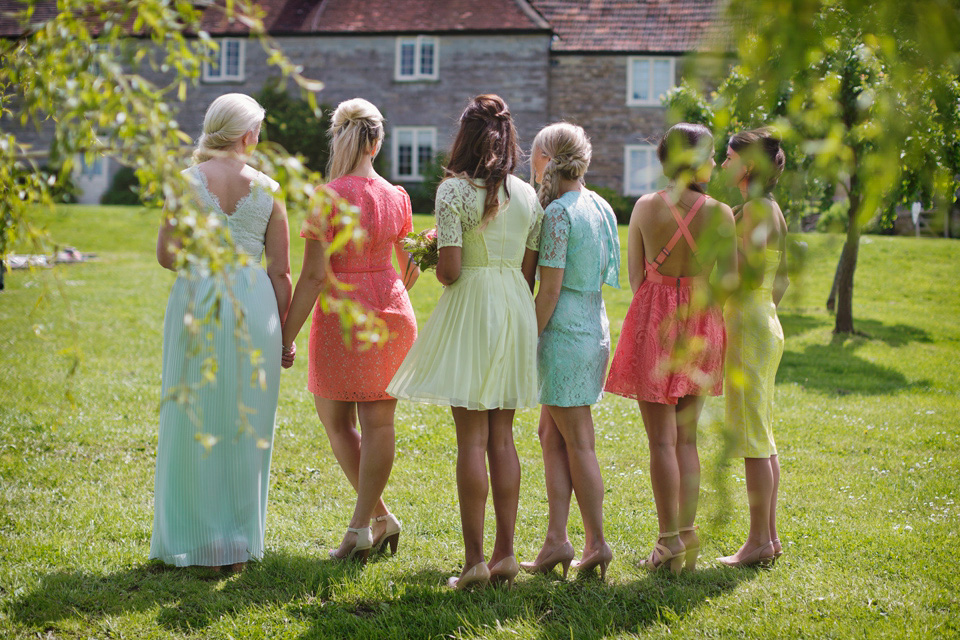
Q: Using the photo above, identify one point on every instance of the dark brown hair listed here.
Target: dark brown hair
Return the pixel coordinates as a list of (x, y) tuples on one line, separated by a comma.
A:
[(485, 148), (761, 147), (684, 148)]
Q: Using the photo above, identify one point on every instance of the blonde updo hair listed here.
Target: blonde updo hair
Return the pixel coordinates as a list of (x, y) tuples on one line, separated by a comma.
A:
[(569, 150), (227, 119), (355, 129)]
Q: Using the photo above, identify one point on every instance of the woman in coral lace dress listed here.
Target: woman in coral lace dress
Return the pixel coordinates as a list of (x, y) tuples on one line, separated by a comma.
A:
[(349, 381), (670, 352)]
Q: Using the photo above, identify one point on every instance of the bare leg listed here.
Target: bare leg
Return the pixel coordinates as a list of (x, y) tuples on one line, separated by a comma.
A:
[(660, 421), (472, 486), (576, 426), (339, 420), (504, 480), (688, 464), (775, 469), (376, 458), (556, 471), (759, 494)]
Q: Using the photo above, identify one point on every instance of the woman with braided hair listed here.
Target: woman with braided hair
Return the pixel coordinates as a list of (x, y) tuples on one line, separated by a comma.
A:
[(477, 352), (579, 253)]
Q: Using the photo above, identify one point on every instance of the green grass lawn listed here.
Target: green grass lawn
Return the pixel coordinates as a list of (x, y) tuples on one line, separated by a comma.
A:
[(866, 426)]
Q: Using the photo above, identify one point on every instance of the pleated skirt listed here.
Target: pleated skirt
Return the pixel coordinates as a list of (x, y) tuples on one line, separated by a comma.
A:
[(210, 491), (478, 349)]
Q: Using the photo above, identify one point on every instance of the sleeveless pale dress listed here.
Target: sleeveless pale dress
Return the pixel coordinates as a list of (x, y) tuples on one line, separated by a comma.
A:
[(359, 372), (210, 508), (478, 349), (579, 235), (754, 349), (668, 347)]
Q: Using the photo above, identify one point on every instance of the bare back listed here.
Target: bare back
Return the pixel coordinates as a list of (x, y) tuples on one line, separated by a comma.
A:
[(656, 225), (229, 186), (761, 225)]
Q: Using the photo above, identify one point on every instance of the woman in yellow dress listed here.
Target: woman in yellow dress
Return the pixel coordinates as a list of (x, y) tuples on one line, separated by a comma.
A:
[(755, 337)]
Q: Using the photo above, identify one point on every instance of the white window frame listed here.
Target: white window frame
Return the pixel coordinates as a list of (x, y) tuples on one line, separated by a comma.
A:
[(629, 189), (654, 100), (418, 42), (91, 171), (220, 55), (418, 132)]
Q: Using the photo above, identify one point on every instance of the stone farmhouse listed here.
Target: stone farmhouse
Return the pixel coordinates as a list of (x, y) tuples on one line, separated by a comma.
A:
[(602, 64)]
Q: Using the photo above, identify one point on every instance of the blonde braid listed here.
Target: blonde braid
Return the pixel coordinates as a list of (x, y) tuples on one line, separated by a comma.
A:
[(569, 151)]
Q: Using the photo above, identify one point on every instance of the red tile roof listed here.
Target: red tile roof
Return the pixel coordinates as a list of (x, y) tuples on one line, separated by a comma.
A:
[(421, 16), (641, 26)]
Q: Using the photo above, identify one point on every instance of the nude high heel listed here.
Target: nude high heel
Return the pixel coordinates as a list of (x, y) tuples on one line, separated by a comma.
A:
[(505, 571), (663, 557), (562, 555), (361, 548), (478, 575), (762, 556), (600, 559), (390, 535), (692, 551), (776, 554)]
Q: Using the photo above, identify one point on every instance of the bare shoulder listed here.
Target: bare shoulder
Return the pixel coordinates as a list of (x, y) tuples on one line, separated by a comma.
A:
[(720, 209), (644, 205)]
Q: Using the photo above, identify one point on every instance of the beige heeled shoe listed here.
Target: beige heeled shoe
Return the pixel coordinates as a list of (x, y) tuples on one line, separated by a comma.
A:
[(600, 559), (505, 571), (777, 554), (692, 551), (562, 555), (762, 556), (390, 535), (361, 548), (477, 575), (661, 556)]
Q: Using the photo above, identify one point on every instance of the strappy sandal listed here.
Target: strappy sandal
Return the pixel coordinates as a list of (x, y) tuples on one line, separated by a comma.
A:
[(663, 557)]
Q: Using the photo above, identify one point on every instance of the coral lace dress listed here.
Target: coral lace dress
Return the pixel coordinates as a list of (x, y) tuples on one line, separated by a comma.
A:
[(671, 345), (347, 372)]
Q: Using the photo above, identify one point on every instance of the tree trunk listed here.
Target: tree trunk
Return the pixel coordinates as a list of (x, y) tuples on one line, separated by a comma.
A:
[(832, 298), (848, 263)]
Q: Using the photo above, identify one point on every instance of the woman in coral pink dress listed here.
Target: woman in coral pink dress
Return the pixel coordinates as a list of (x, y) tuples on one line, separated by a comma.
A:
[(670, 352), (348, 380)]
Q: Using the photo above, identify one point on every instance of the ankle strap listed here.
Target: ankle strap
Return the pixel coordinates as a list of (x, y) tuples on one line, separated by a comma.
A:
[(352, 530), (692, 528), (669, 534)]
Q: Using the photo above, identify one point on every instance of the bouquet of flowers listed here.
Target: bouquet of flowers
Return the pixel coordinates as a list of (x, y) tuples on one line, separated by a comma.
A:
[(422, 248)]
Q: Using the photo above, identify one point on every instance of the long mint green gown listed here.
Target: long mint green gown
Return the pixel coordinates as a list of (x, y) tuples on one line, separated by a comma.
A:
[(210, 508)]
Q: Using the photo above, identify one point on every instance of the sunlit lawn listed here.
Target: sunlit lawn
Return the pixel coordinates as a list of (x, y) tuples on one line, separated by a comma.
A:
[(867, 430)]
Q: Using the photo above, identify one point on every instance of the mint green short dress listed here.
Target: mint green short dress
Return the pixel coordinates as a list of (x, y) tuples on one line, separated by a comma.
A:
[(578, 235)]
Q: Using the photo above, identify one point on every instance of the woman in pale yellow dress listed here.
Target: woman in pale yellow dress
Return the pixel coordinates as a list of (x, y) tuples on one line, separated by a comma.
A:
[(755, 337)]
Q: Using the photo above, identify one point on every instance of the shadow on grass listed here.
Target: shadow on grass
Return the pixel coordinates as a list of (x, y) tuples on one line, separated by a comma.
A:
[(413, 606), (836, 368)]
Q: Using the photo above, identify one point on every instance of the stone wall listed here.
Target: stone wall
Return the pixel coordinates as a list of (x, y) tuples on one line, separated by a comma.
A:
[(591, 90)]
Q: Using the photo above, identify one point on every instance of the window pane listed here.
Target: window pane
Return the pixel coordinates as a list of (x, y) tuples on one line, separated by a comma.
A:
[(426, 58), (662, 81), (231, 55), (641, 80), (408, 52), (404, 152), (213, 69), (424, 154)]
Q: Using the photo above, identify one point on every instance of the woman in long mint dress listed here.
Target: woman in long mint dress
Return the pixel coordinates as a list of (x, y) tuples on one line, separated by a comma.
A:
[(218, 409), (579, 253)]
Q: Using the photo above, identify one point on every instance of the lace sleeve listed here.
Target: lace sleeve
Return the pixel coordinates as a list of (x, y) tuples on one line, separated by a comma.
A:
[(533, 236), (449, 207), (554, 236)]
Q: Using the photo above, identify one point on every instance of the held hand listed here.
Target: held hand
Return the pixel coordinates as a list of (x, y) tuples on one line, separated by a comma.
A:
[(288, 355)]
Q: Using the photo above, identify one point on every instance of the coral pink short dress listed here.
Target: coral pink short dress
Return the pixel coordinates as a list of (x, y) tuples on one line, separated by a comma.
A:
[(671, 344), (339, 371)]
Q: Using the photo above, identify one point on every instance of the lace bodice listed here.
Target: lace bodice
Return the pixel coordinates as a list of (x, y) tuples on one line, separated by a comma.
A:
[(248, 222), (459, 208), (580, 236), (385, 216)]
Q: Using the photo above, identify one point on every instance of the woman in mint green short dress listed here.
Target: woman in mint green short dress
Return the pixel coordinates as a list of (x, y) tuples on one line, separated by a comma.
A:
[(579, 253)]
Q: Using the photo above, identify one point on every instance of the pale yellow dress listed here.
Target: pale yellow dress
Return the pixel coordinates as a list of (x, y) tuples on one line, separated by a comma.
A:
[(754, 349), (478, 350)]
